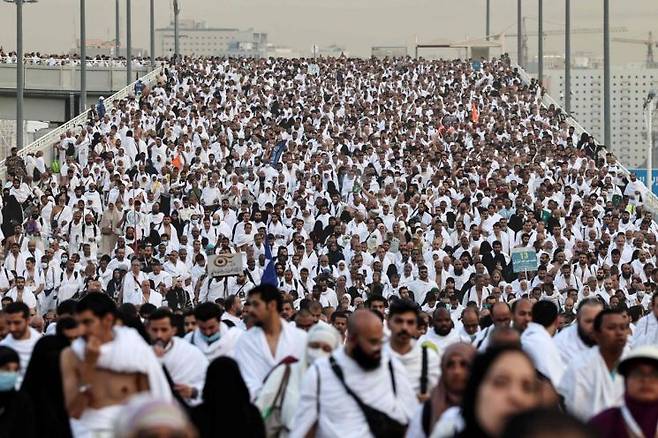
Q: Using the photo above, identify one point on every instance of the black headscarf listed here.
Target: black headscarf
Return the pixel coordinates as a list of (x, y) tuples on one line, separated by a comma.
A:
[(43, 385), (17, 418), (226, 409)]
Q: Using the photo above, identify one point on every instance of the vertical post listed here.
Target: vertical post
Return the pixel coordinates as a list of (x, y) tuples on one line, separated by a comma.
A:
[(519, 36), (540, 44), (606, 75), (83, 58), (117, 34), (129, 54), (20, 81), (650, 151), (152, 34), (488, 20), (567, 56), (176, 35)]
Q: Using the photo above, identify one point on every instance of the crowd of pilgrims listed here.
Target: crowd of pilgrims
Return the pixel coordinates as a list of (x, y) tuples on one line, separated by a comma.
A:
[(375, 205)]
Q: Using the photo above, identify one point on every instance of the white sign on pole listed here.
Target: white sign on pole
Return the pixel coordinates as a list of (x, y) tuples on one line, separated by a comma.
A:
[(225, 264)]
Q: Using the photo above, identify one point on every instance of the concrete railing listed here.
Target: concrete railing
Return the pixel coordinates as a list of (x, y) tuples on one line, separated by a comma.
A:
[(46, 142), (67, 77), (650, 199)]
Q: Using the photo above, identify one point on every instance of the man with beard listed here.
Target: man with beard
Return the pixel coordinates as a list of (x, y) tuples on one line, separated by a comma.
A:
[(521, 314), (443, 333), (272, 340), (355, 376), (233, 312), (213, 337), (419, 359), (501, 316), (577, 338), (591, 383), (185, 364)]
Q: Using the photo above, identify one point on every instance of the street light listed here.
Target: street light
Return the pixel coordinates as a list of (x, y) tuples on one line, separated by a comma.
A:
[(20, 82), (648, 113), (83, 58), (152, 34), (176, 35), (129, 43)]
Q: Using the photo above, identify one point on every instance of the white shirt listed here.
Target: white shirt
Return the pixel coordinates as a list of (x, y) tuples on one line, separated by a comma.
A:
[(588, 387), (538, 343), (413, 365), (24, 349), (646, 331), (252, 353), (186, 365), (340, 416)]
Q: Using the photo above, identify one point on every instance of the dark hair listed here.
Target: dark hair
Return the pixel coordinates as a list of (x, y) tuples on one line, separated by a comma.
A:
[(18, 307), (207, 311), (65, 323), (402, 306), (479, 369), (159, 314), (544, 313), (338, 314), (268, 293), (375, 298), (230, 301), (654, 298), (146, 309), (98, 304), (545, 422), (66, 307), (598, 320)]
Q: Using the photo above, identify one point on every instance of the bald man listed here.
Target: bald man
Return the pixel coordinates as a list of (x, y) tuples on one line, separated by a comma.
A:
[(521, 314), (501, 316), (359, 369)]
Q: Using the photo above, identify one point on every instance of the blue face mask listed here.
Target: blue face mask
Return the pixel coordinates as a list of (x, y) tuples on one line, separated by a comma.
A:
[(210, 339), (8, 380)]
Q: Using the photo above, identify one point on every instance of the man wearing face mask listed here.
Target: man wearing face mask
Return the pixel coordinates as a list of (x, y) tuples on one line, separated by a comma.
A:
[(185, 364), (285, 379), (22, 337), (212, 337), (18, 417), (355, 376)]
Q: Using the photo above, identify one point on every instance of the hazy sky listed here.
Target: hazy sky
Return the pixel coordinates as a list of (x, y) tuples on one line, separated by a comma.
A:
[(52, 25)]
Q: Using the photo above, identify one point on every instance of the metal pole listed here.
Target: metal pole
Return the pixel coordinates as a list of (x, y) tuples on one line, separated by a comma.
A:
[(650, 151), (20, 83), (117, 31), (567, 56), (606, 75), (488, 22), (540, 44), (176, 35), (129, 55), (83, 58), (152, 34), (519, 36)]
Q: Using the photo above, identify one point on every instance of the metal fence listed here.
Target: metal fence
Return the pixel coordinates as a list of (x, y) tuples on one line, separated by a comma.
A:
[(46, 142)]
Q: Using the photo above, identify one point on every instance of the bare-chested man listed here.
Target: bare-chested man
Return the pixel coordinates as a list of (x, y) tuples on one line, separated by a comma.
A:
[(104, 368)]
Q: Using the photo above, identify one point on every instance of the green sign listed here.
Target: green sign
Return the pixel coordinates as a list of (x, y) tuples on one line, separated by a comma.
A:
[(524, 260)]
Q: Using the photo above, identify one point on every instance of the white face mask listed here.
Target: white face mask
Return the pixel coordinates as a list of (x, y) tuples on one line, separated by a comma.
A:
[(312, 354)]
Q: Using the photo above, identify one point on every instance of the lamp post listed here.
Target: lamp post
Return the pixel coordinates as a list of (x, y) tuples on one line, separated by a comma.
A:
[(606, 75), (519, 36), (20, 81), (540, 44), (488, 20), (129, 54), (176, 33), (153, 34), (117, 30), (567, 56), (648, 108), (83, 58)]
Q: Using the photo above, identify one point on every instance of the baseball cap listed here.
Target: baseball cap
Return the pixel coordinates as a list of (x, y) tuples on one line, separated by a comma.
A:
[(643, 353)]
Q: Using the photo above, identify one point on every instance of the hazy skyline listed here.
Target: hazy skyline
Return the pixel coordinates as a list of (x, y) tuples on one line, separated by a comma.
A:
[(52, 25)]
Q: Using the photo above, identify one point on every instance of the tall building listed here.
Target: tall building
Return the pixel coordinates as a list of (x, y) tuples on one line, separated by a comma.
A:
[(630, 86), (195, 38)]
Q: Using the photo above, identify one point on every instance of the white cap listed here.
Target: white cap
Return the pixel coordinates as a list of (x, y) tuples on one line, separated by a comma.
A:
[(645, 352)]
